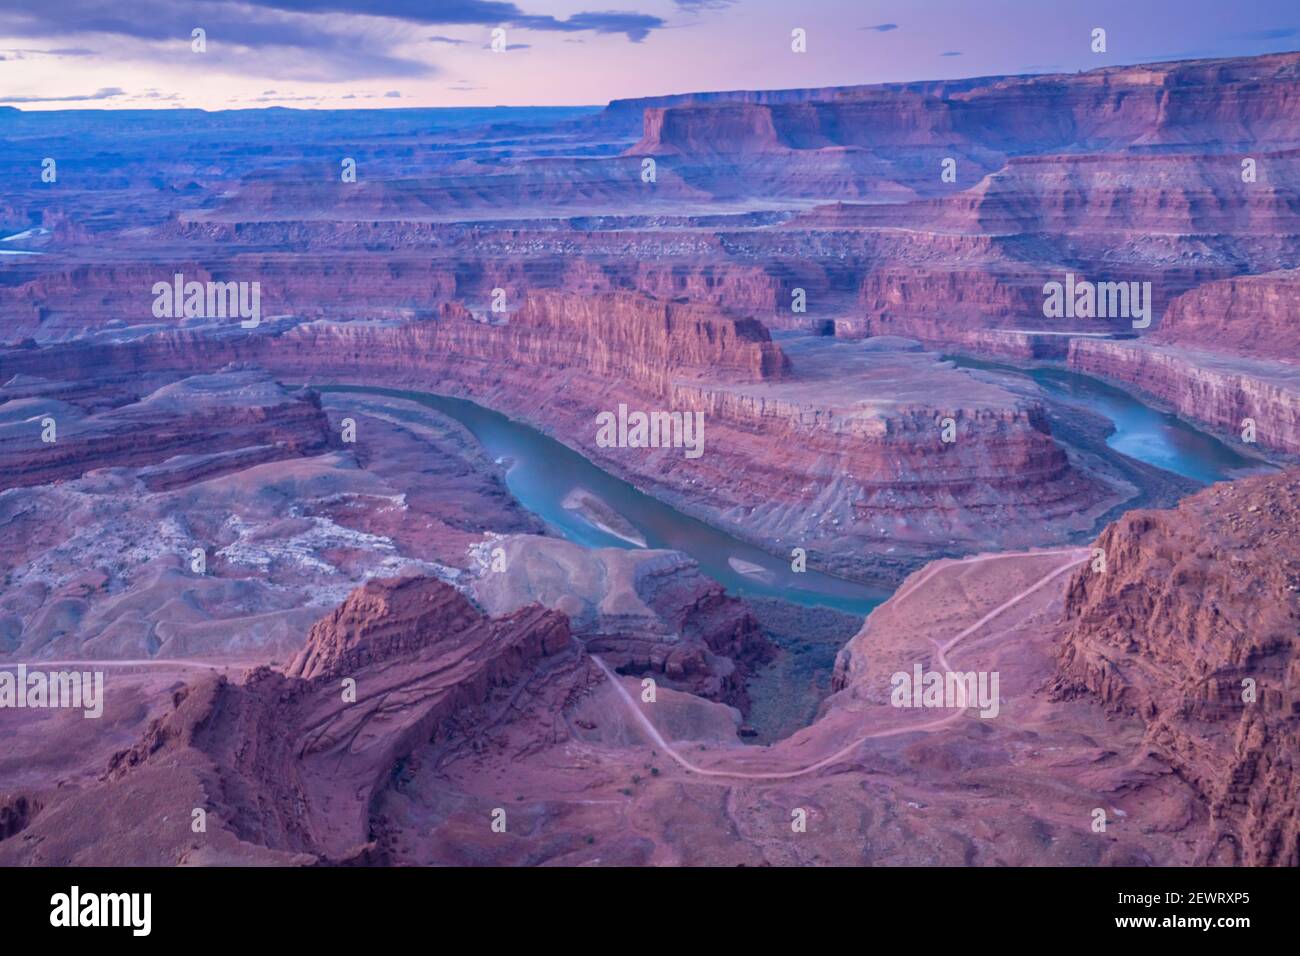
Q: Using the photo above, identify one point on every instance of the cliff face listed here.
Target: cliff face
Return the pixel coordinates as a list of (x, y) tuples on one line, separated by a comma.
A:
[(1208, 387), (1175, 104), (647, 340), (1254, 316), (1193, 627), (620, 334)]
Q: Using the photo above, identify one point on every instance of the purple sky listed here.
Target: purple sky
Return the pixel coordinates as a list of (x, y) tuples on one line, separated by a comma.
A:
[(60, 54)]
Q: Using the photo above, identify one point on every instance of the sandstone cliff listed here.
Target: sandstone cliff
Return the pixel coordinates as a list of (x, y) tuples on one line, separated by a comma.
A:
[(1254, 316), (1230, 100), (1193, 627), (1210, 387)]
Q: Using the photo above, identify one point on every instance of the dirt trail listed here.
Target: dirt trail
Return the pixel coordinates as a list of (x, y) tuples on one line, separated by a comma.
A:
[(658, 739)]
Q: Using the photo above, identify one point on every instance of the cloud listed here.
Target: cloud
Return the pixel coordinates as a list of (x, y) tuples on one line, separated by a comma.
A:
[(393, 94), (511, 46), (635, 26), (105, 93), (882, 27), (441, 39), (241, 39), (65, 51), (1276, 33), (277, 99), (951, 53), (311, 40)]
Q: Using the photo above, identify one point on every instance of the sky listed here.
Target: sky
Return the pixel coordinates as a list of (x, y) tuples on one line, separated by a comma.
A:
[(132, 54)]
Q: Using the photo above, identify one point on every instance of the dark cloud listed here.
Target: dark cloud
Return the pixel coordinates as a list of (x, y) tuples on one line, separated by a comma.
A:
[(106, 93), (65, 51), (393, 94), (290, 39), (1276, 33), (441, 39), (882, 27), (635, 26), (951, 53), (240, 38)]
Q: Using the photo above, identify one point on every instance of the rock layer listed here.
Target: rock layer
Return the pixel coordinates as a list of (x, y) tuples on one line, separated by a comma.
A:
[(1211, 387), (1193, 627)]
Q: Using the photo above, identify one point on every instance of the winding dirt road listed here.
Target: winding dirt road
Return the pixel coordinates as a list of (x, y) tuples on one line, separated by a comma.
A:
[(942, 651)]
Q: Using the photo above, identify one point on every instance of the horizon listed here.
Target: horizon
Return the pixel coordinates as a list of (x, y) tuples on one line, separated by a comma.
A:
[(649, 96), (64, 55)]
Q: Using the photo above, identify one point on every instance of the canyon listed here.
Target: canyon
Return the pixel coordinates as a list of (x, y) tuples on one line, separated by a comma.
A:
[(364, 581)]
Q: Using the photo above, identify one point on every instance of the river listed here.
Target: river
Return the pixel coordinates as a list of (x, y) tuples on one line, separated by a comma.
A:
[(542, 473), (1158, 438)]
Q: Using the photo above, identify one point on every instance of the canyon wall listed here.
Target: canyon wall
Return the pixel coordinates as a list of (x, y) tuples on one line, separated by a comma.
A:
[(1192, 627), (197, 428), (1236, 100), (1212, 388), (1256, 316)]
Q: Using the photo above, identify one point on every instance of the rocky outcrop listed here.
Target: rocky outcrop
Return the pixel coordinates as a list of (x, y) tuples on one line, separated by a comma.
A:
[(194, 429), (380, 620), (649, 341), (1210, 387), (643, 611), (285, 767), (1251, 316), (1192, 627)]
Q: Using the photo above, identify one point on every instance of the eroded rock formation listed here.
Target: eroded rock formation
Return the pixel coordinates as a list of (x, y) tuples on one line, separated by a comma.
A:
[(1193, 628), (285, 767)]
